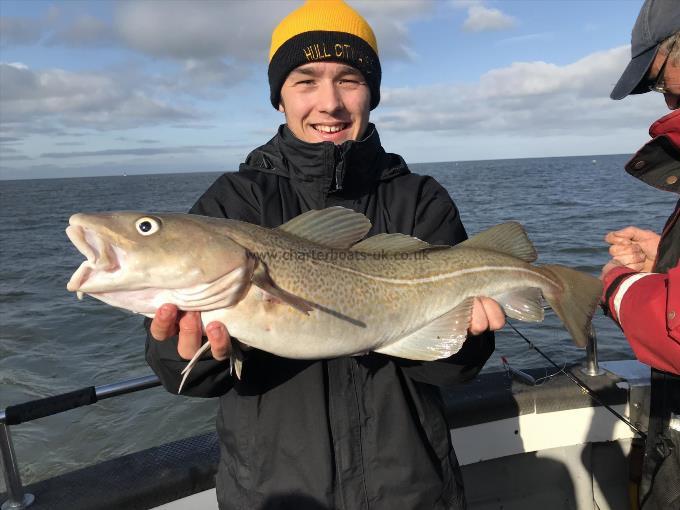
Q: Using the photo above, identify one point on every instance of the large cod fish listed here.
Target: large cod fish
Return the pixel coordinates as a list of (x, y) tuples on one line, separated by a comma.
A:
[(312, 288)]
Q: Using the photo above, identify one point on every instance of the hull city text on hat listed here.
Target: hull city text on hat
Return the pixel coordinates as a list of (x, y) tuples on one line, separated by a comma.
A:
[(323, 30)]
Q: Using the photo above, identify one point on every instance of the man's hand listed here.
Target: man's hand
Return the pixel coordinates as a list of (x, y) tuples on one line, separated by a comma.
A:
[(169, 321), (487, 315), (632, 247), (612, 264)]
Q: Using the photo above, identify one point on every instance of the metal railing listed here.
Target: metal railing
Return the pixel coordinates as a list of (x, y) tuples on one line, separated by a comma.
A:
[(590, 366), (35, 409)]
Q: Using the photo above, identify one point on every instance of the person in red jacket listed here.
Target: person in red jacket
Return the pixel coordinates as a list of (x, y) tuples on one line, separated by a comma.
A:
[(642, 280)]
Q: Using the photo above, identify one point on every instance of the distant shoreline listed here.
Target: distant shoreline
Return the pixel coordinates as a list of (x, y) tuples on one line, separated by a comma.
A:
[(414, 166)]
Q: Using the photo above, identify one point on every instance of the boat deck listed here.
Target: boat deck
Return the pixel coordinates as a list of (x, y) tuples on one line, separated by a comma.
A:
[(520, 447)]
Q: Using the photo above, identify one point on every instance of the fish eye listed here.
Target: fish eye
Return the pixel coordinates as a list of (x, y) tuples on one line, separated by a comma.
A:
[(147, 225)]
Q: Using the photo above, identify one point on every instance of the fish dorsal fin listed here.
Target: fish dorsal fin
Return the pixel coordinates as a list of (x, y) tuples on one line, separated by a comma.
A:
[(334, 227), (509, 238), (391, 243), (441, 338)]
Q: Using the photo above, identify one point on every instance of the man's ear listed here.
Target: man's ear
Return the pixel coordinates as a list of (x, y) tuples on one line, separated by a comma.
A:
[(281, 108)]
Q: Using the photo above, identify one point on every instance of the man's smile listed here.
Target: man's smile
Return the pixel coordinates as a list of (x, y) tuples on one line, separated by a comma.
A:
[(330, 128)]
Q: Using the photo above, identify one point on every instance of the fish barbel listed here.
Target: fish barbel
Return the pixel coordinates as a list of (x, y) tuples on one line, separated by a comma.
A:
[(312, 289)]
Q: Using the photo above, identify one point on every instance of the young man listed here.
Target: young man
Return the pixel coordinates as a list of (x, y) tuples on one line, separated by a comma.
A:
[(642, 280), (347, 433)]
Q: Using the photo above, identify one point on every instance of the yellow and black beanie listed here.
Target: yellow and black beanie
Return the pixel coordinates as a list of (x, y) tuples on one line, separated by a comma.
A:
[(323, 31)]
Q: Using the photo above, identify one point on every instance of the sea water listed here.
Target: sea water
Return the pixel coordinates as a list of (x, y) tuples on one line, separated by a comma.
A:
[(51, 343)]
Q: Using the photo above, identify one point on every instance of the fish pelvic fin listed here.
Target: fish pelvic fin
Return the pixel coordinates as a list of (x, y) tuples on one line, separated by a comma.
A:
[(441, 338), (524, 304), (334, 227), (192, 363), (574, 300), (236, 359), (509, 238)]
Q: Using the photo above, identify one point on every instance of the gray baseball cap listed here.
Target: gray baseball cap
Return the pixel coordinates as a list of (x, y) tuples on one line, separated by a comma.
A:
[(658, 19)]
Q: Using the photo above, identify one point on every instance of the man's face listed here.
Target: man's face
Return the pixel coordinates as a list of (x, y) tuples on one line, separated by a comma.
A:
[(326, 102), (670, 78)]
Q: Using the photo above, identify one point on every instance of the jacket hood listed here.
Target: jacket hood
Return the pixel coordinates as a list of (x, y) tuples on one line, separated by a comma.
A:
[(353, 165)]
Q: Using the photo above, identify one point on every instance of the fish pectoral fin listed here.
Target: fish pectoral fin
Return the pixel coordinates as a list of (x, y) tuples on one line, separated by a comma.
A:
[(393, 243), (524, 304), (333, 227), (224, 292), (509, 238), (441, 338), (262, 280)]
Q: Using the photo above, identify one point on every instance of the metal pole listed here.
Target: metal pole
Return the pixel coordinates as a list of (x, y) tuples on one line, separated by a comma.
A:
[(129, 386), (10, 469), (591, 367)]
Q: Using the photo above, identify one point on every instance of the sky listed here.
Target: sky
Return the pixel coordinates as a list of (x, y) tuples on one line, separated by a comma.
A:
[(160, 86)]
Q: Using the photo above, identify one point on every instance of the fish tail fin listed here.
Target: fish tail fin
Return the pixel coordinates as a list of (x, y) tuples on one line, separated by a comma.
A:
[(574, 299)]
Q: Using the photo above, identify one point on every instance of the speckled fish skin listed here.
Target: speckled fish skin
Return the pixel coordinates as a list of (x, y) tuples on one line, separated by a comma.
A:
[(359, 301)]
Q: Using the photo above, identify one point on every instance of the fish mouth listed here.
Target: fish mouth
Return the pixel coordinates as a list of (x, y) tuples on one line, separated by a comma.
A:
[(103, 258)]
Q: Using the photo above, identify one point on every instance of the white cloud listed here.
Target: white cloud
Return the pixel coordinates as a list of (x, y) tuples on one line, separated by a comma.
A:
[(136, 151), (390, 21), (85, 31), (526, 99), (209, 78), (201, 29), (536, 37), (16, 31), (592, 75), (464, 4), (205, 29), (25, 31), (32, 100), (482, 19)]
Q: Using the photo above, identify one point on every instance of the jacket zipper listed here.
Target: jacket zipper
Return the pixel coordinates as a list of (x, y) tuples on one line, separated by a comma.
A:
[(338, 168)]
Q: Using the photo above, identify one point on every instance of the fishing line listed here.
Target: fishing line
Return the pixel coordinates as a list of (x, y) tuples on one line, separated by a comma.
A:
[(548, 376), (525, 378), (581, 384)]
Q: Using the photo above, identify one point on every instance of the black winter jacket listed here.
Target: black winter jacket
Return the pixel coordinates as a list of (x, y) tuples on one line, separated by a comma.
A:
[(363, 432)]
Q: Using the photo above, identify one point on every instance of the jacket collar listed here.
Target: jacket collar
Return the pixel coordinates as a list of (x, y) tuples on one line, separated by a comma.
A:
[(657, 163), (668, 126), (350, 167), (336, 166)]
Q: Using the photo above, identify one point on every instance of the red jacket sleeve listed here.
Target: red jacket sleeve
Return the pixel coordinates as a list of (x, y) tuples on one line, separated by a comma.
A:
[(647, 307)]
